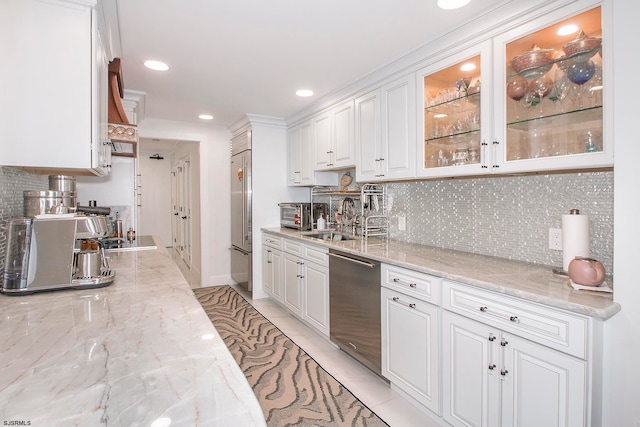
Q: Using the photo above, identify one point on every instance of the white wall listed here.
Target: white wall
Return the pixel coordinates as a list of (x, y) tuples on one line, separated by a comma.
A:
[(214, 194), (622, 344)]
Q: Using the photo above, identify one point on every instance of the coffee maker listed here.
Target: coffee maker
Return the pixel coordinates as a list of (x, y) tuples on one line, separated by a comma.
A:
[(50, 252)]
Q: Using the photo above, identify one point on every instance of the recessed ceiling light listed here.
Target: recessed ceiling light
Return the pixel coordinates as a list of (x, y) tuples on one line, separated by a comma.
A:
[(156, 65), (567, 29), (304, 92), (205, 116), (468, 67), (439, 116), (452, 4)]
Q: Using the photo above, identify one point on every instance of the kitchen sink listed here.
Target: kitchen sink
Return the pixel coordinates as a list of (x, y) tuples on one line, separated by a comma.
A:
[(329, 235)]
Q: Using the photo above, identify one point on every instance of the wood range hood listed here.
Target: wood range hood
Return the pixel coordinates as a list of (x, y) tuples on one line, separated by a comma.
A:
[(122, 134)]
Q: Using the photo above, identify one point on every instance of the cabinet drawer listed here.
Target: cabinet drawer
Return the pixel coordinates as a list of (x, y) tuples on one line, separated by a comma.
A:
[(556, 329), (419, 285), (316, 254), (293, 246), (272, 241)]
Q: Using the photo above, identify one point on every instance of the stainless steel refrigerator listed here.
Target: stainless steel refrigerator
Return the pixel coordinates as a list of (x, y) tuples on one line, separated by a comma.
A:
[(241, 258)]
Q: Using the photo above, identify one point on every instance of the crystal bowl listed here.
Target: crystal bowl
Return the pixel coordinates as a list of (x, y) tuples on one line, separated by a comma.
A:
[(582, 44), (534, 63)]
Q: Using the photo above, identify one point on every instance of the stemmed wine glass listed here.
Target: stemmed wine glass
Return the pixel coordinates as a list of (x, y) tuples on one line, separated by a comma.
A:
[(561, 87), (517, 88), (580, 73), (541, 87)]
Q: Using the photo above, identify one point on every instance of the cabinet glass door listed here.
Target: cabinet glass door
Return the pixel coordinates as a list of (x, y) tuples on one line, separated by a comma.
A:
[(554, 96), (452, 115), (450, 120)]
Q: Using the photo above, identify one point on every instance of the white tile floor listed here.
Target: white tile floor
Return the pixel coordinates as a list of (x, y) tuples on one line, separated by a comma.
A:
[(364, 384)]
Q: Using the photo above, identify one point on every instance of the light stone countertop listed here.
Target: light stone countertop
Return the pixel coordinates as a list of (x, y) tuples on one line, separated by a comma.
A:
[(137, 351), (532, 282)]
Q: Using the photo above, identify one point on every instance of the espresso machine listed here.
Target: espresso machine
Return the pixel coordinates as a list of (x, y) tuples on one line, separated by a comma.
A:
[(49, 252)]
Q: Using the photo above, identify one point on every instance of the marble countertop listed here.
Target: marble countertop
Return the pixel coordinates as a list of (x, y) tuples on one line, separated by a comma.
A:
[(532, 282), (140, 352)]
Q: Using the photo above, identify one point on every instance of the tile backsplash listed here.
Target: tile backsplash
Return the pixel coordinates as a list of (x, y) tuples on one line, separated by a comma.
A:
[(12, 183), (507, 217)]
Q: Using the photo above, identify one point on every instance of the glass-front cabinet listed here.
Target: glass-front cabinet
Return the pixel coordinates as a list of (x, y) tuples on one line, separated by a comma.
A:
[(550, 90), (531, 99), (454, 127)]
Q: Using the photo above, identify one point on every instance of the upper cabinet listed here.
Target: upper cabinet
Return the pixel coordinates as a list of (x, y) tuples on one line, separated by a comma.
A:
[(455, 132), (529, 100), (385, 123), (334, 138), (301, 158), (53, 115), (549, 93)]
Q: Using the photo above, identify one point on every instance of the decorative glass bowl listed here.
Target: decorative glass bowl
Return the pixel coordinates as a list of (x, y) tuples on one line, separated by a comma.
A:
[(534, 63)]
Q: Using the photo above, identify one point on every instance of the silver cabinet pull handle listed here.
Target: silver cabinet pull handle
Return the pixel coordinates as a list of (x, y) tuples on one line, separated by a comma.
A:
[(411, 285), (514, 319), (504, 372), (483, 309), (410, 305), (492, 366)]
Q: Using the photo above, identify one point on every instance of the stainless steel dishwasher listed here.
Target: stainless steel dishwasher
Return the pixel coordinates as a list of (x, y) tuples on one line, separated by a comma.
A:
[(354, 295)]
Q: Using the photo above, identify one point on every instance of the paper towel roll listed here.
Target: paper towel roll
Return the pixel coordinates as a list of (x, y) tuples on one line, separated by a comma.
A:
[(575, 238)]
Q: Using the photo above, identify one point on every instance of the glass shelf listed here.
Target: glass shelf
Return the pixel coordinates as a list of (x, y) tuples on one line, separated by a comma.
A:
[(453, 138), (562, 62), (451, 104), (584, 115)]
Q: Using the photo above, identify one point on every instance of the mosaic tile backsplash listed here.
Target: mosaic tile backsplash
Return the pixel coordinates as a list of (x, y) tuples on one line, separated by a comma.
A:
[(12, 183), (508, 217)]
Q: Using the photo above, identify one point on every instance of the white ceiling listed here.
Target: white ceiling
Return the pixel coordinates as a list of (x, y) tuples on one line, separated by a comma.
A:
[(231, 57)]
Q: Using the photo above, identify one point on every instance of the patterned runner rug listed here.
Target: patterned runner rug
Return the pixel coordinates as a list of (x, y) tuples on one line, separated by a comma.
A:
[(293, 390)]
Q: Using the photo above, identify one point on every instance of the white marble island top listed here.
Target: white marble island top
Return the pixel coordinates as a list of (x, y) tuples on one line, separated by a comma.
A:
[(138, 352), (532, 282)]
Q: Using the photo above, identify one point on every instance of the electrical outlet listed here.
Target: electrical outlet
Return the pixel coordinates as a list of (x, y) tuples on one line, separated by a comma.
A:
[(402, 223), (555, 239)]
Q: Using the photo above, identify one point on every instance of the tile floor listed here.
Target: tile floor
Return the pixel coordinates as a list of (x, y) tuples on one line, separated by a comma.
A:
[(368, 387)]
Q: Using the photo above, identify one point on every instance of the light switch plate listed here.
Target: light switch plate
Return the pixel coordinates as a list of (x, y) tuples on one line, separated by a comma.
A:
[(402, 223)]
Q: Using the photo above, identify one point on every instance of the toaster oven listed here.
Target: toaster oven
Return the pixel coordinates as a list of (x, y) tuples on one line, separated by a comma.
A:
[(298, 215)]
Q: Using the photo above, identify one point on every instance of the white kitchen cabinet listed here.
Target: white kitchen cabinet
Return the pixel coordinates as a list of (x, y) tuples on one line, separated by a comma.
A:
[(58, 78), (316, 293), (410, 349), (568, 128), (305, 281), (385, 123), (293, 277), (272, 267), (334, 138), (494, 119), (491, 376), (301, 158)]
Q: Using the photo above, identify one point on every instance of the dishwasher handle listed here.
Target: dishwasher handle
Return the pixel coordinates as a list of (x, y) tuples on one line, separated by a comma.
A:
[(357, 261)]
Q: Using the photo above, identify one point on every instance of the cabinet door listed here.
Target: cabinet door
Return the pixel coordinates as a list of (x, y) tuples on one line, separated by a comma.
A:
[(550, 114), (398, 127), (542, 387), (294, 157), (276, 280), (368, 149), (48, 60), (471, 372), (293, 281), (454, 119), (316, 307), (323, 143), (101, 149), (267, 270), (410, 347), (343, 135), (306, 152)]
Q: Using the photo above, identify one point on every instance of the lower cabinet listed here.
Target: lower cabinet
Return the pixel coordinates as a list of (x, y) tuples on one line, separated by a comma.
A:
[(292, 266), (494, 378), (297, 276), (410, 350), (272, 272), (316, 296)]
